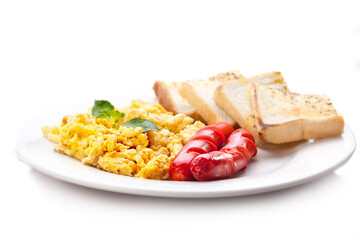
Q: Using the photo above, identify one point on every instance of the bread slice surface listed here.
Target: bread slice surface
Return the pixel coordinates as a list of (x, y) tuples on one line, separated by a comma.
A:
[(169, 97), (282, 116), (199, 93), (234, 98)]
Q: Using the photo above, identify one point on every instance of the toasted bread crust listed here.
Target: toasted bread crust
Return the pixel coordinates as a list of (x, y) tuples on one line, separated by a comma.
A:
[(227, 103), (164, 96), (321, 126), (166, 99), (222, 100), (274, 77), (188, 92), (302, 129), (199, 94)]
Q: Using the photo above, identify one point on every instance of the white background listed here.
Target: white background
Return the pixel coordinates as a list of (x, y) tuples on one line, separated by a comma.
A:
[(61, 52)]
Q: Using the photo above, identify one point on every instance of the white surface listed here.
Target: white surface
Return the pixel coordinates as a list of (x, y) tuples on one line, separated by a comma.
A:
[(273, 168), (53, 53)]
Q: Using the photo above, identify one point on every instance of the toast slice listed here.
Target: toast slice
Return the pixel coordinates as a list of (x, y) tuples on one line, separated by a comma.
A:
[(169, 97), (199, 94), (234, 98), (283, 117)]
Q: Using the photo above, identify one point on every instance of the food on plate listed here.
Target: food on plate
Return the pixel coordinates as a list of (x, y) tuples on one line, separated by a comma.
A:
[(234, 98), (206, 158), (207, 139), (199, 94), (282, 116), (169, 97), (229, 160), (147, 141), (250, 102), (138, 140)]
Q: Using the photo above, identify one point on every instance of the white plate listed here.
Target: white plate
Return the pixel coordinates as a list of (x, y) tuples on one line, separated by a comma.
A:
[(275, 167)]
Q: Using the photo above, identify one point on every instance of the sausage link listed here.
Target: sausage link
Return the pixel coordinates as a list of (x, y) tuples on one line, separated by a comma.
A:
[(242, 138), (212, 135), (205, 140), (240, 161), (232, 158), (242, 132), (199, 146), (180, 170), (224, 127), (217, 165)]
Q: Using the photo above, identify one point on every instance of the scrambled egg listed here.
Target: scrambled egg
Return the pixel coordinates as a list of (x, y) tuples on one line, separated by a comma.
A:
[(123, 150)]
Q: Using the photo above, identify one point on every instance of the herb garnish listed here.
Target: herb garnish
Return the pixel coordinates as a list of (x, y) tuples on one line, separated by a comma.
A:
[(104, 109), (145, 124)]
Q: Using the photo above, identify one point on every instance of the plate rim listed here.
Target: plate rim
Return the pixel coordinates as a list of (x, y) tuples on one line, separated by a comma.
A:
[(22, 155)]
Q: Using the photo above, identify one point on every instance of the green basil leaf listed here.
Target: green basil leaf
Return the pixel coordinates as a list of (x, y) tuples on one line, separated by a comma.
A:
[(102, 109), (117, 116), (145, 124)]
